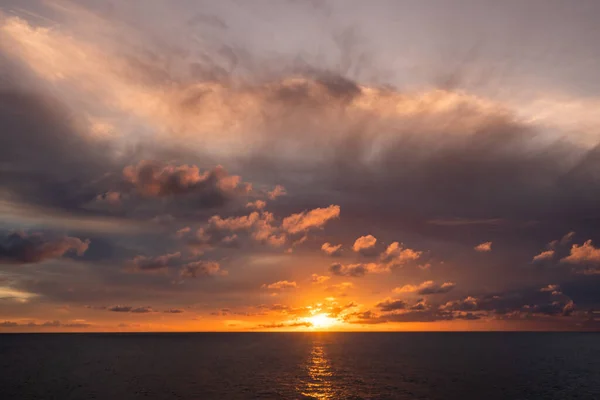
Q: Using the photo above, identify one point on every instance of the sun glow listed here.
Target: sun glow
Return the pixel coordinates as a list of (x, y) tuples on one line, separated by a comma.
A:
[(321, 321)]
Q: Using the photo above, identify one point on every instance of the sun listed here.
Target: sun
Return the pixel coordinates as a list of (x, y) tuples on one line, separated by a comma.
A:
[(321, 321)]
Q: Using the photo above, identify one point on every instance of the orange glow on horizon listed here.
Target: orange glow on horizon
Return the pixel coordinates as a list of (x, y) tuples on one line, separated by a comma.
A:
[(321, 321)]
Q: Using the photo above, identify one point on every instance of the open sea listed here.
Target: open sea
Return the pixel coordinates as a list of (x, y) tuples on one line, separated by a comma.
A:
[(462, 366)]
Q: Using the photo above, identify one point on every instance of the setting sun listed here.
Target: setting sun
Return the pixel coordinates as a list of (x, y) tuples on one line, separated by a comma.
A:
[(321, 321)]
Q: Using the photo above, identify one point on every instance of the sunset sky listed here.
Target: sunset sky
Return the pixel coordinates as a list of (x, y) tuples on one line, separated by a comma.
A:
[(299, 165)]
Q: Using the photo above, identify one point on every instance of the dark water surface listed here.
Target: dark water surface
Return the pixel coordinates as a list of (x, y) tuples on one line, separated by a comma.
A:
[(298, 366)]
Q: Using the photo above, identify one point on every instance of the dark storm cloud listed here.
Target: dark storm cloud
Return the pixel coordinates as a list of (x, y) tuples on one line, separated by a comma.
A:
[(45, 158), (23, 248)]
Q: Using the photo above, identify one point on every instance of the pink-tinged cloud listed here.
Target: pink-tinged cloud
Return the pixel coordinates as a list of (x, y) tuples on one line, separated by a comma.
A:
[(484, 247), (152, 178), (312, 219), (23, 248), (332, 250), (257, 204), (183, 231), (263, 227), (544, 256), (365, 245), (278, 191)]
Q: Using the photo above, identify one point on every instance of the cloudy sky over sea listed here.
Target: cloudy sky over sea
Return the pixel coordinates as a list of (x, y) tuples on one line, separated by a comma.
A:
[(299, 165)]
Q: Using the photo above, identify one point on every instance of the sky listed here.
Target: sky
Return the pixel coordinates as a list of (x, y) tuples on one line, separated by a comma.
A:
[(299, 165)]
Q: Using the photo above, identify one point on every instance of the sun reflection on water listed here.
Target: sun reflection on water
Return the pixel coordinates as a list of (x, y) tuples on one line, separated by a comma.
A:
[(320, 383)]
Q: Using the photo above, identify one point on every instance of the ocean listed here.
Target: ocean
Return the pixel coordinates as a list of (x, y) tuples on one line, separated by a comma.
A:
[(300, 366)]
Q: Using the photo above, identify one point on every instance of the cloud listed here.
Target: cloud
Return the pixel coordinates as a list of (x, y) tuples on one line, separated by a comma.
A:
[(198, 269), (173, 311), (211, 188), (416, 313), (315, 278), (340, 289), (484, 247), (332, 250), (392, 305), (280, 285), (313, 219), (276, 325), (47, 324), (515, 304), (263, 227), (442, 163), (567, 238), (554, 289), (278, 191), (427, 287), (142, 310), (583, 254), (352, 270), (112, 198), (396, 255), (365, 245), (257, 204), (152, 264), (120, 308), (544, 256), (23, 248), (260, 226), (130, 309)]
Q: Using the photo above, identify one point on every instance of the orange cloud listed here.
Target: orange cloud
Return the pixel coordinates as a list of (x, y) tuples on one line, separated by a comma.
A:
[(312, 219), (277, 192), (332, 250), (427, 287), (365, 245), (318, 278), (484, 247), (280, 285), (396, 255)]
